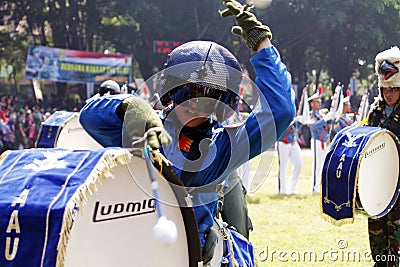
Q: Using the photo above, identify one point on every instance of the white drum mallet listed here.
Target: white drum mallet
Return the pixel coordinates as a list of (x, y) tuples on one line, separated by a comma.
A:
[(165, 230)]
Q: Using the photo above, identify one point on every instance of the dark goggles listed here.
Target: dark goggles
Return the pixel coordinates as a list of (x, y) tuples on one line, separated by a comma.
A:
[(192, 90)]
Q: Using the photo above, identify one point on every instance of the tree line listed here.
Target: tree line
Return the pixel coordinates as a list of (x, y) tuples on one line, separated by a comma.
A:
[(320, 40)]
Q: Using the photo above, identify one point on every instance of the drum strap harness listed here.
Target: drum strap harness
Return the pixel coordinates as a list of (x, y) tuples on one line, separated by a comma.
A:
[(238, 251), (189, 144), (379, 118)]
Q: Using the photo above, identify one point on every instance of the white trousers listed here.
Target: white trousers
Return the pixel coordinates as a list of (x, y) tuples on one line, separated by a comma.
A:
[(319, 155), (288, 152)]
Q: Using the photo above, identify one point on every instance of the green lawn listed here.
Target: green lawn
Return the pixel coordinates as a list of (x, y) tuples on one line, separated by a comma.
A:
[(289, 229)]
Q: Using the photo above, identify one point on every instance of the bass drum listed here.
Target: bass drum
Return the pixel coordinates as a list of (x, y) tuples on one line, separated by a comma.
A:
[(116, 227), (105, 222), (362, 165), (75, 208), (63, 129)]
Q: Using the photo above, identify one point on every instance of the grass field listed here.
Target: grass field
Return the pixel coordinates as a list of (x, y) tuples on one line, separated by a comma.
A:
[(289, 229)]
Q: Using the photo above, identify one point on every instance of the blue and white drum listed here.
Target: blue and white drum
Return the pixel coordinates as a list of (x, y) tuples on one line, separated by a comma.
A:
[(63, 130), (62, 207), (363, 164)]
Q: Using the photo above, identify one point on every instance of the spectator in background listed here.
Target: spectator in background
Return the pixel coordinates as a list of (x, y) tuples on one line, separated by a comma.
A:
[(38, 119), (319, 138), (7, 137), (21, 139), (30, 129), (10, 105)]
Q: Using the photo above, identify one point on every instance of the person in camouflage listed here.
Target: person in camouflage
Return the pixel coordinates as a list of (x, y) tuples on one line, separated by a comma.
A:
[(384, 232)]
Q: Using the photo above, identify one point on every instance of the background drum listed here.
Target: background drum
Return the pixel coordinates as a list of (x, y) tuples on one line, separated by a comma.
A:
[(107, 217), (363, 162), (63, 129)]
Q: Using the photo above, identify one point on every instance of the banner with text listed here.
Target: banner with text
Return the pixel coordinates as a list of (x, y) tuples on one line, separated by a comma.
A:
[(63, 65)]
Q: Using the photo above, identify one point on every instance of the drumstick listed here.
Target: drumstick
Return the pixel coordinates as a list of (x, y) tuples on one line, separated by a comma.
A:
[(165, 230)]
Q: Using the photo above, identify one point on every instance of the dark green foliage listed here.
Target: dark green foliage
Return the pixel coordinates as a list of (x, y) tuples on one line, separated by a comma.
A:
[(329, 35)]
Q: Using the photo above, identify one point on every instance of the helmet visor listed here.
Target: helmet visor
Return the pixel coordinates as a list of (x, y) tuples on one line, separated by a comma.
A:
[(192, 91)]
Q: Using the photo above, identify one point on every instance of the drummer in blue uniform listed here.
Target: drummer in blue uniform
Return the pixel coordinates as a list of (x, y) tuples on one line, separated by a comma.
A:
[(320, 131), (384, 232), (200, 88)]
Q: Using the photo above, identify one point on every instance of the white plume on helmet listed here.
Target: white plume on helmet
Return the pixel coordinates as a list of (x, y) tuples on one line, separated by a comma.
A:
[(387, 66), (314, 96)]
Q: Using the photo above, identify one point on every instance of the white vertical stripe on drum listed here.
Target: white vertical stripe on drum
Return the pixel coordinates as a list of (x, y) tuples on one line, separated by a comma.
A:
[(12, 166), (54, 201)]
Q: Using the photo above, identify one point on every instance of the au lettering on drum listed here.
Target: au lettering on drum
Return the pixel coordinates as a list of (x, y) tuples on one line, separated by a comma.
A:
[(340, 166), (13, 230)]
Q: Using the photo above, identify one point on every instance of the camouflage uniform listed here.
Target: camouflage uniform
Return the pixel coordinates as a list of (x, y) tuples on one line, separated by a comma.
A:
[(384, 232)]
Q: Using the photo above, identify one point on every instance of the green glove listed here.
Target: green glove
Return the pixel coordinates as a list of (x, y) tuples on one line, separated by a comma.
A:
[(249, 28), (139, 118)]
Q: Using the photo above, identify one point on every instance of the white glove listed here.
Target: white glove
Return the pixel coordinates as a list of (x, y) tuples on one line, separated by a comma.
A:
[(338, 114), (329, 116)]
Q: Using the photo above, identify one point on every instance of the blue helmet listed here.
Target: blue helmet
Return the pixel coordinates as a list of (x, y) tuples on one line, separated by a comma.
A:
[(202, 69)]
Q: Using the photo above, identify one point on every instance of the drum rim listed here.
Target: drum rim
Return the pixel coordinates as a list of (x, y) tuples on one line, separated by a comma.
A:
[(396, 194)]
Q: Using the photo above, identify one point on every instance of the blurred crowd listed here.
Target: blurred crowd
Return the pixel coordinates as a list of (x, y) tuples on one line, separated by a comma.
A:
[(20, 121)]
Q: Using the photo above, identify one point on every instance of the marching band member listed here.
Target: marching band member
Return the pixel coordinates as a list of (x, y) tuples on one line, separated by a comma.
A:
[(108, 87), (202, 78), (289, 148), (346, 118), (384, 232), (319, 127)]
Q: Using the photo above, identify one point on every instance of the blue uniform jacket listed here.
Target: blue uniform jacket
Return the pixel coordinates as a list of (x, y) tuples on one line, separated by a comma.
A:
[(342, 123), (291, 134), (99, 119), (230, 147), (319, 128)]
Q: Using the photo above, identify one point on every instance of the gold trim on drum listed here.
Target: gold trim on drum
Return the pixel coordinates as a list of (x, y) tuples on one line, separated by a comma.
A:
[(102, 171)]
